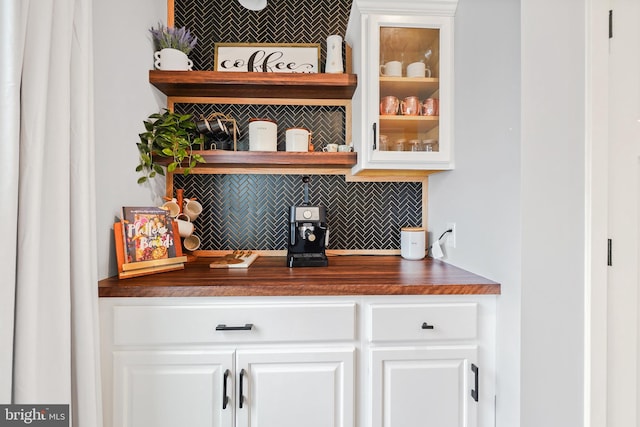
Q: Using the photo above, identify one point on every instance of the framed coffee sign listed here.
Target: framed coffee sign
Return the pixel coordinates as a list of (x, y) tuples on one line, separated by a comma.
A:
[(267, 57)]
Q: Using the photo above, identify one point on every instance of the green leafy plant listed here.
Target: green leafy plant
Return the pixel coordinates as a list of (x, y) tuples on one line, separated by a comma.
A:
[(168, 135), (170, 37)]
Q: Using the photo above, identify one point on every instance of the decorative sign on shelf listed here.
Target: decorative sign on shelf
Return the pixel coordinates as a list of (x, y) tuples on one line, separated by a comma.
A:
[(267, 57)]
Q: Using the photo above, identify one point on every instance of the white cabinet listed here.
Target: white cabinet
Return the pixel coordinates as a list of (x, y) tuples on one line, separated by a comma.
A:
[(361, 361), (289, 388), (423, 385), (426, 364), (171, 388), (235, 364), (393, 133)]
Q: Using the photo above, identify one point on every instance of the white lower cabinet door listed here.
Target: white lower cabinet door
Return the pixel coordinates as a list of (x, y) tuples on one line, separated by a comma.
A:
[(295, 387), (424, 386), (173, 388)]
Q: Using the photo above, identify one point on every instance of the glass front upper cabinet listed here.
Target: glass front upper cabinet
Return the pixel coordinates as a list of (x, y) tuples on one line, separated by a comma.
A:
[(408, 97)]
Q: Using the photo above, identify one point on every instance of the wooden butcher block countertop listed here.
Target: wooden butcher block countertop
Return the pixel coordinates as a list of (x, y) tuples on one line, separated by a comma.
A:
[(269, 276)]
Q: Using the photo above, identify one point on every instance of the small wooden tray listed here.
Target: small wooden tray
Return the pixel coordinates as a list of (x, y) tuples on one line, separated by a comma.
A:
[(237, 259)]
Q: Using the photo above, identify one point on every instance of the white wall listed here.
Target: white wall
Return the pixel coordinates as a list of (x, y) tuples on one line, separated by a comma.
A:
[(123, 99), (482, 194), (518, 197), (553, 205)]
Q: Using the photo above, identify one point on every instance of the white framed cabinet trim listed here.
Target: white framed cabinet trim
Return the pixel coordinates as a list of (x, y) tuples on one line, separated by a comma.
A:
[(387, 141)]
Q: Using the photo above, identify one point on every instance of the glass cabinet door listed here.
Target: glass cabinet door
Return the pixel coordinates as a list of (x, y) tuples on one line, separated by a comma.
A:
[(410, 92)]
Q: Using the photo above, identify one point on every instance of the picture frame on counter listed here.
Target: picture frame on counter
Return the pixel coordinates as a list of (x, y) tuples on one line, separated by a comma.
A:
[(267, 57)]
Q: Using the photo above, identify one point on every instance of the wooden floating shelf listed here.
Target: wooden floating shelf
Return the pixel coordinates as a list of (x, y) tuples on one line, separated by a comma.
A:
[(283, 159), (254, 85)]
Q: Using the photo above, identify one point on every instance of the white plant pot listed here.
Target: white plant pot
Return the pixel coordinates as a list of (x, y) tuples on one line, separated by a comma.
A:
[(169, 59)]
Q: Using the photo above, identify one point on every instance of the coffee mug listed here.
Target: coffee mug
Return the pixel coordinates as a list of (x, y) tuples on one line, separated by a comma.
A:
[(416, 69), (389, 106), (173, 207), (430, 107), (331, 148), (344, 148), (192, 209), (185, 226), (172, 60), (191, 243), (297, 139), (410, 106), (391, 69)]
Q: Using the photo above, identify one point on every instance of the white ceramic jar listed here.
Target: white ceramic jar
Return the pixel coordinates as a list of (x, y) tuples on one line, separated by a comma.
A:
[(263, 135), (297, 139), (412, 243)]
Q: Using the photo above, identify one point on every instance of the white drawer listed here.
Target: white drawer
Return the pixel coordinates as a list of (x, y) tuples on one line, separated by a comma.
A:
[(409, 322), (237, 323)]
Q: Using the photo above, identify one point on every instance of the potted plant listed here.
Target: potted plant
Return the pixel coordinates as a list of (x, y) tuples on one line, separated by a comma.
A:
[(172, 45), (168, 135)]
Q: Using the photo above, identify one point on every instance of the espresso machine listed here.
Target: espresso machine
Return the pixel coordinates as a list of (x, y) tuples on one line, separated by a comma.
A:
[(308, 234)]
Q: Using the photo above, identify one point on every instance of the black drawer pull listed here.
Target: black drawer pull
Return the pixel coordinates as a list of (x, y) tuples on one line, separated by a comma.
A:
[(475, 391), (225, 398), (241, 383), (223, 327), (375, 139), (425, 325)]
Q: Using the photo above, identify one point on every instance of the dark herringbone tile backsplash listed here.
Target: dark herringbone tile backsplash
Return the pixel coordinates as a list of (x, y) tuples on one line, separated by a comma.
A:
[(282, 21), (251, 211)]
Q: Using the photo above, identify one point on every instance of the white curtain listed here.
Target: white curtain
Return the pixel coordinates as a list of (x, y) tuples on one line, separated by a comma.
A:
[(48, 290)]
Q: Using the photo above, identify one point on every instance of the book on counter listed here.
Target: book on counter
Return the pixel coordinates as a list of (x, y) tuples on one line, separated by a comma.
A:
[(147, 241)]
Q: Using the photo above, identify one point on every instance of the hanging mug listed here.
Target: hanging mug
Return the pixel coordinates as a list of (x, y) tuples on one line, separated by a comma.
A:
[(185, 226)]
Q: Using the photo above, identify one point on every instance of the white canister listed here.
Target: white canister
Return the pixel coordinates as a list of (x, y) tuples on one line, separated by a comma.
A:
[(298, 139), (412, 242), (263, 135), (334, 55)]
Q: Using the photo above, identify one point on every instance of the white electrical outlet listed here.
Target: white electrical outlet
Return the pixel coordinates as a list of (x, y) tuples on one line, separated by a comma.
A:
[(451, 237)]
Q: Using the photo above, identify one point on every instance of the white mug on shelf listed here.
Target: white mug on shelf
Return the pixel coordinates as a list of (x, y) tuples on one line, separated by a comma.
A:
[(416, 69), (391, 69), (331, 148)]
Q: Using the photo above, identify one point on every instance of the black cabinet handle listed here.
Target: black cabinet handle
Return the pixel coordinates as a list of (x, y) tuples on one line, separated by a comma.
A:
[(223, 327), (375, 140), (476, 390), (225, 398), (240, 394), (425, 325)]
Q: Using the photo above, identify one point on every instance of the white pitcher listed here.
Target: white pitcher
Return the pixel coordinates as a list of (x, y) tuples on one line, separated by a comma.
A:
[(334, 55)]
